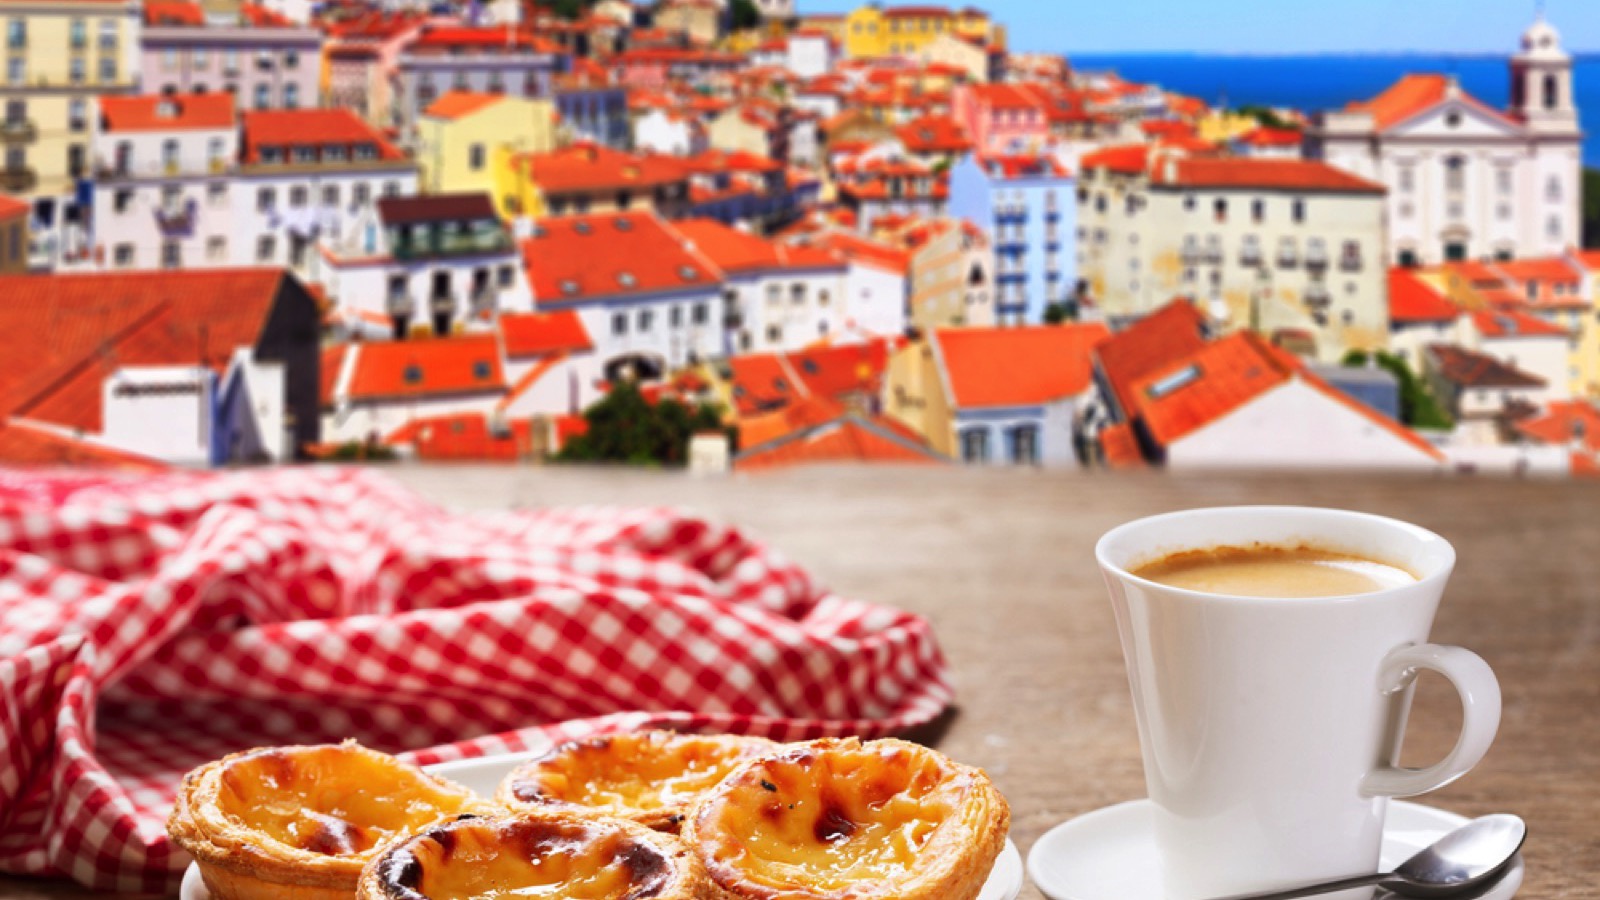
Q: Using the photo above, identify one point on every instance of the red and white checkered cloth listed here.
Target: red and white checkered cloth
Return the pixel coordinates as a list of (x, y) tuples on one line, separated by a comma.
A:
[(150, 625)]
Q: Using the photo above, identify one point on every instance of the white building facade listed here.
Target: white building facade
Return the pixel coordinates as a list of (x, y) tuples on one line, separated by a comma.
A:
[(1467, 181)]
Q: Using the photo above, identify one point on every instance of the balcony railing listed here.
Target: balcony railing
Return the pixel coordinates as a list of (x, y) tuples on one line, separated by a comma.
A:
[(19, 179), (1288, 258), (1317, 296), (1350, 262), (1316, 258), (399, 305), (426, 246), (1250, 255), (1213, 254), (440, 304), (484, 302), (176, 219), (18, 131)]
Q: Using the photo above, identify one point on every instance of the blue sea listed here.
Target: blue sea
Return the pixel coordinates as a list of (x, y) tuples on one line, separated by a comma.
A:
[(1321, 82)]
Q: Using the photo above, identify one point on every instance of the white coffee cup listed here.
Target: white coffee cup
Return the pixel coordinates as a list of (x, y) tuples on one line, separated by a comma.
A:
[(1271, 727)]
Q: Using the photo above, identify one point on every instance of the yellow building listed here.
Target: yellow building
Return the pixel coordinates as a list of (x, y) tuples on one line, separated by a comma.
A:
[(871, 32), (1586, 350), (466, 140), (914, 396), (60, 55), (1221, 126)]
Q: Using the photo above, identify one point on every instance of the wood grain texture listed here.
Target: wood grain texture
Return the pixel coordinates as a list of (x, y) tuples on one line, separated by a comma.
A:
[(1001, 563)]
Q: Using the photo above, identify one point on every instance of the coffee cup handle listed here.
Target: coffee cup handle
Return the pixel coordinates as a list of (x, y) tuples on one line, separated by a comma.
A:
[(1480, 716)]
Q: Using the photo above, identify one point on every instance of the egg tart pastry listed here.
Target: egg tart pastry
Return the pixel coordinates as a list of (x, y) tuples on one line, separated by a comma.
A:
[(299, 823), (549, 854), (836, 819), (650, 777)]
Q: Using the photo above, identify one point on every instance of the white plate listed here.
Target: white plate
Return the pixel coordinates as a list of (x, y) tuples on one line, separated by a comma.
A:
[(483, 774), (1110, 854)]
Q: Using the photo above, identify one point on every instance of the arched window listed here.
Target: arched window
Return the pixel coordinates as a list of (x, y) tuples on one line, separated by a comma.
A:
[(1552, 189), (1552, 92), (1455, 173)]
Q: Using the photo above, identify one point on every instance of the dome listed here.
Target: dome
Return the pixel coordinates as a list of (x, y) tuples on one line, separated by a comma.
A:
[(1541, 38)]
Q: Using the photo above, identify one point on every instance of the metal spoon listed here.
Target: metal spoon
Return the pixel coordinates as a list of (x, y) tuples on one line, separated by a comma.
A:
[(1463, 859)]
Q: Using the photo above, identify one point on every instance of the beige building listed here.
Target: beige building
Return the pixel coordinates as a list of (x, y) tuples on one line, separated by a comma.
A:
[(60, 55), (701, 20), (973, 57), (952, 274), (1291, 249)]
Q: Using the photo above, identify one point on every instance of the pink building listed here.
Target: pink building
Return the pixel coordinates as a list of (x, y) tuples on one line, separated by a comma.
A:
[(263, 59), (1001, 118)]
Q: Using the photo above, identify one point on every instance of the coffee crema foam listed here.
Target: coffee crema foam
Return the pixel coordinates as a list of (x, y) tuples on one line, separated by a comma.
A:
[(1264, 570)]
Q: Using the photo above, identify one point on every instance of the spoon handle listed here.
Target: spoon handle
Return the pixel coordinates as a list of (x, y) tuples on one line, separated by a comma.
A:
[(1327, 887)]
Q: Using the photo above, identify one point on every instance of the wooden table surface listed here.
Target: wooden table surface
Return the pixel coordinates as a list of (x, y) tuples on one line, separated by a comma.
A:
[(1001, 562)]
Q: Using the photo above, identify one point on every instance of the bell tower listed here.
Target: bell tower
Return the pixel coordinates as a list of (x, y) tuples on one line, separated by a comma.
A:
[(1541, 82)]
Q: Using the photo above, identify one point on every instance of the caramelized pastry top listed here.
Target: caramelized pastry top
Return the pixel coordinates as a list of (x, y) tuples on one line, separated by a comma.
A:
[(842, 818), (335, 800), (632, 774), (534, 855)]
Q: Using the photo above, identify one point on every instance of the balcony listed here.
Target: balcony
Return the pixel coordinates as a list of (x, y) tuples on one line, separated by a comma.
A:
[(441, 304), (19, 179), (431, 243), (1250, 255), (1317, 296), (1288, 257), (1350, 262), (1191, 253), (485, 302), (1316, 258), (176, 219), (1213, 254), (399, 305), (18, 131)]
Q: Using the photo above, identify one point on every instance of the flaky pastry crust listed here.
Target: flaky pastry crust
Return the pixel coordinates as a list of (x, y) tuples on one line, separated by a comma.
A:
[(544, 853), (650, 777), (835, 819), (300, 822)]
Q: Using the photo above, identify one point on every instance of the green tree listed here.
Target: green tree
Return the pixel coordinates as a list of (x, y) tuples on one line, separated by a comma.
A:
[(1266, 117), (1591, 207), (1057, 314), (744, 14), (1418, 407), (566, 9), (625, 427)]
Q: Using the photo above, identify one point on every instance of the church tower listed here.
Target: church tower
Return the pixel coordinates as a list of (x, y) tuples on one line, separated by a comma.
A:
[(1541, 82)]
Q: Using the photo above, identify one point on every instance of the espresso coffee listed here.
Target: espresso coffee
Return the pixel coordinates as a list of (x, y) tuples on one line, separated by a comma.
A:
[(1262, 570)]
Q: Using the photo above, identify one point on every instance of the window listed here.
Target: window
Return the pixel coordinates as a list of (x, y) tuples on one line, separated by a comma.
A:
[(619, 324), (391, 188), (263, 96), (675, 317), (774, 334), (1025, 444), (647, 318), (507, 276), (1552, 228), (975, 445), (1552, 189), (171, 255), (217, 249), (1297, 211), (266, 199), (361, 195), (297, 196), (1220, 209), (1408, 179), (291, 59), (230, 62), (17, 34), (266, 248), (16, 70), (77, 34), (774, 294), (169, 155), (121, 200), (1552, 92), (1189, 203), (122, 256), (1455, 174), (169, 59), (77, 70), (476, 157), (291, 96), (797, 293), (699, 314), (200, 58)]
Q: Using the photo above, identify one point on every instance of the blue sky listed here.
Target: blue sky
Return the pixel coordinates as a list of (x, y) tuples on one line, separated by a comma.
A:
[(1276, 26)]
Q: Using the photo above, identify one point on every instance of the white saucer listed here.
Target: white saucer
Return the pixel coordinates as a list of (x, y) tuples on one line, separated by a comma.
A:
[(1110, 854), (483, 774)]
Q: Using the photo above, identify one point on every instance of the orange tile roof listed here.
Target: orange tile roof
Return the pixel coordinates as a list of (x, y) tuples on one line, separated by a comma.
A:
[(440, 366), (1227, 374), (765, 381), (1552, 269), (1161, 338), (1268, 174), (851, 438), (62, 335), (257, 16), (1273, 137), (1506, 323), (332, 365), (1022, 366), (173, 12), (866, 252), (1003, 96), (177, 112), (1412, 95), (1125, 159), (1585, 465), (463, 437), (456, 104), (934, 134), (1469, 368), (739, 251), (1016, 165), (489, 37), (13, 207), (1121, 446), (1589, 259), (577, 258), (28, 443), (1564, 422), (760, 426), (1163, 128), (590, 167), (310, 128), (1413, 300), (544, 333)]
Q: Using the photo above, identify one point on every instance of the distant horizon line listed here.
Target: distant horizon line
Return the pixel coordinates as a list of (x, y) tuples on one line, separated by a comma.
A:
[(1577, 55)]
